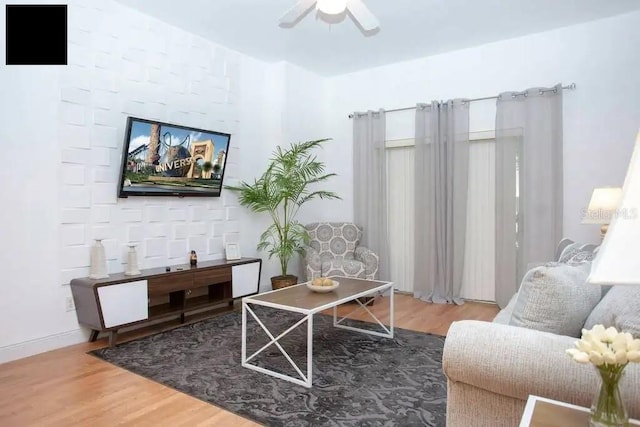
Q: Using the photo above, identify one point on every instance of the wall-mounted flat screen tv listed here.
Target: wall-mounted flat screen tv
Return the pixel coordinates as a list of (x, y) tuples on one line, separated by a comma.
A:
[(161, 159)]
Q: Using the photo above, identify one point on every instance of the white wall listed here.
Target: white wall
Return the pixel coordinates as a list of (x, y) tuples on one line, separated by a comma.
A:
[(601, 117), (296, 114), (62, 138)]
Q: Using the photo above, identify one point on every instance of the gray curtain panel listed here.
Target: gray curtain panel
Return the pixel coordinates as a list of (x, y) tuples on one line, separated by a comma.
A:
[(370, 184), (528, 183), (441, 174)]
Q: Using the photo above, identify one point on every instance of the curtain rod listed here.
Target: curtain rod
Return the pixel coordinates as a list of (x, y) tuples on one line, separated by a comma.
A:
[(572, 86)]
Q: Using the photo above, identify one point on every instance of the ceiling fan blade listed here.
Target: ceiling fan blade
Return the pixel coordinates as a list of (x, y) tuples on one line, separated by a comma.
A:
[(363, 15), (297, 12)]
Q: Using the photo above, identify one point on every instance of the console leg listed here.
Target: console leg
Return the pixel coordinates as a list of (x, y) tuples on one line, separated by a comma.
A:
[(181, 317), (113, 336), (231, 303), (94, 335)]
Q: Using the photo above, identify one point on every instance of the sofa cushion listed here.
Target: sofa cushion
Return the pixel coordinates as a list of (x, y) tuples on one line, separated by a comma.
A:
[(554, 298), (504, 316), (620, 308)]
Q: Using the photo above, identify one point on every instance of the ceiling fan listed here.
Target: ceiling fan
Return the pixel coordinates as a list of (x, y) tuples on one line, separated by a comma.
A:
[(360, 13)]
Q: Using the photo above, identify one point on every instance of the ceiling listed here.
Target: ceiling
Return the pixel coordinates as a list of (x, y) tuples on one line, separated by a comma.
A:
[(408, 28)]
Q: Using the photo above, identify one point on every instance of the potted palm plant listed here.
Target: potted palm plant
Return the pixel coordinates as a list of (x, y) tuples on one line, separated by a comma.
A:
[(286, 185)]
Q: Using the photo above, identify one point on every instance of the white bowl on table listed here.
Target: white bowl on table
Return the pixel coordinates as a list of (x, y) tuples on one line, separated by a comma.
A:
[(323, 289)]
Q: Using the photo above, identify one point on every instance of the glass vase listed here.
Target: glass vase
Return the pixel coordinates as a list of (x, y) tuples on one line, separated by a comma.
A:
[(608, 408)]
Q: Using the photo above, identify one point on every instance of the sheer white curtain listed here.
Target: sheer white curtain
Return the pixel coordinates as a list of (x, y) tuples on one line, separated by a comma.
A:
[(370, 184), (400, 160), (528, 183), (478, 280), (441, 182)]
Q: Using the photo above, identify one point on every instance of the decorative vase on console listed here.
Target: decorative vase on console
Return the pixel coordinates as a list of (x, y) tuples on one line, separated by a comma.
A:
[(132, 261), (98, 269)]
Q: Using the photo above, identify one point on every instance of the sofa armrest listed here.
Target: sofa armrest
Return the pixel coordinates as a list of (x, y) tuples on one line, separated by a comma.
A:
[(518, 362), (313, 263), (370, 260)]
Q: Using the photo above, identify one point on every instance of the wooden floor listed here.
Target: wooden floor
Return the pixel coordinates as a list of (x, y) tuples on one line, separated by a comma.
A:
[(67, 387)]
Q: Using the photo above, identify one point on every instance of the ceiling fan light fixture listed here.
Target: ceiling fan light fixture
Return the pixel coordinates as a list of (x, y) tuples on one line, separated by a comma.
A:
[(331, 7)]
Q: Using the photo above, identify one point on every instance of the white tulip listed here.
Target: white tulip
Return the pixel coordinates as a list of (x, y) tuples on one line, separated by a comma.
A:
[(578, 356), (581, 357), (619, 343), (609, 334), (609, 358), (598, 331), (583, 345), (596, 358), (621, 358), (598, 346)]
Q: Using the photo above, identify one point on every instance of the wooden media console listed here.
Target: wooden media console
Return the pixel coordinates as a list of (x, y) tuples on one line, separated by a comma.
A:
[(106, 305)]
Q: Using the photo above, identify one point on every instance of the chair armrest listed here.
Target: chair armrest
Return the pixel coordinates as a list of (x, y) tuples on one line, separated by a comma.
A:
[(517, 362), (313, 263), (370, 260)]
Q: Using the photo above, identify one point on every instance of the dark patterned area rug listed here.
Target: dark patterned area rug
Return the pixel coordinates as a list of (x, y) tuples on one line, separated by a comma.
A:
[(358, 379)]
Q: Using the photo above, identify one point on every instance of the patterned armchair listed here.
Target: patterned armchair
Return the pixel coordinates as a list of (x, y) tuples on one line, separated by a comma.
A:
[(333, 251)]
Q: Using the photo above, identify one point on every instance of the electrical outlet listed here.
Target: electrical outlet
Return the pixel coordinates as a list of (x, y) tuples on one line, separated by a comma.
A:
[(70, 304)]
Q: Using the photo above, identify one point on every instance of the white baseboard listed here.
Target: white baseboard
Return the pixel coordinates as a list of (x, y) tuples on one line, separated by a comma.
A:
[(40, 345)]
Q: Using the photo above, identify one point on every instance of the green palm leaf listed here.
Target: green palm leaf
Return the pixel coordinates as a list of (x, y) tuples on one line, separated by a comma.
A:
[(286, 185)]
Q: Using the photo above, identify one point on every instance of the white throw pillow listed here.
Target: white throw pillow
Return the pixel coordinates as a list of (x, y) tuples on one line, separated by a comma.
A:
[(555, 298)]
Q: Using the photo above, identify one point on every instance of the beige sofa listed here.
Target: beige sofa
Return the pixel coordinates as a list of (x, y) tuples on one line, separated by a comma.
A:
[(492, 368)]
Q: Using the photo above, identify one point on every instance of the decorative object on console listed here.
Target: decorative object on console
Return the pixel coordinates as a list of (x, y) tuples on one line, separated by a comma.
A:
[(132, 262), (329, 9), (602, 207), (283, 188), (193, 258), (160, 159), (98, 269), (232, 251), (609, 351)]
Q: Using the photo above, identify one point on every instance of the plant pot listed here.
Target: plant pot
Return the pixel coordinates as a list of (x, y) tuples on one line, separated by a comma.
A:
[(279, 282)]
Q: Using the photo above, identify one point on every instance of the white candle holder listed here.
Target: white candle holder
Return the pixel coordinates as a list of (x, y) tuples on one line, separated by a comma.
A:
[(132, 261), (98, 269)]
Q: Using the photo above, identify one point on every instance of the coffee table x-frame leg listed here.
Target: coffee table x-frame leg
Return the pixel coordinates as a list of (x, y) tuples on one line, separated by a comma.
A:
[(304, 380), (388, 332)]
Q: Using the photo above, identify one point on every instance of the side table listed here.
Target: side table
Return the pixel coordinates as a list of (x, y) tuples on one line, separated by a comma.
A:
[(543, 412)]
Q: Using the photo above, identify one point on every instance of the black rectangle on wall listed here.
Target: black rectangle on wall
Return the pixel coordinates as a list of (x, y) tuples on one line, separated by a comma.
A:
[(36, 34)]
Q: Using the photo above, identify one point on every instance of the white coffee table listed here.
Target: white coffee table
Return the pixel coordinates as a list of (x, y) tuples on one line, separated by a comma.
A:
[(299, 299)]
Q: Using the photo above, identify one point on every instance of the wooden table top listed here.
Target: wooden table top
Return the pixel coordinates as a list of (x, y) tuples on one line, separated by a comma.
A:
[(301, 298), (542, 412)]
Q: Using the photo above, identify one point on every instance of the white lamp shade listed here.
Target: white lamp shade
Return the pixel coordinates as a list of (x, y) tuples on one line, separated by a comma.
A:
[(331, 7), (603, 205), (618, 259)]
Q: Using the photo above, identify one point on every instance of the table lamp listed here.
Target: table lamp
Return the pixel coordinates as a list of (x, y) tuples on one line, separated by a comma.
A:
[(617, 260), (602, 207)]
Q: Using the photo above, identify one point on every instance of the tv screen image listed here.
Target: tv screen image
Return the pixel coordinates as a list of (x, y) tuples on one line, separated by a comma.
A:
[(161, 159)]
